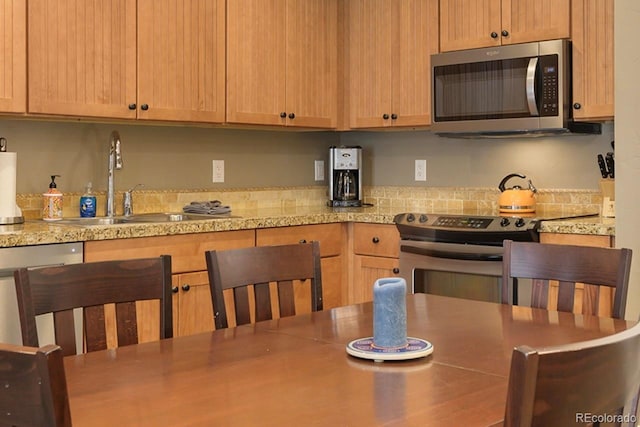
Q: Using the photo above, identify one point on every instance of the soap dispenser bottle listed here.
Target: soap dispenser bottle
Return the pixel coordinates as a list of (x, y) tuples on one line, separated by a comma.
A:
[(52, 202), (88, 203)]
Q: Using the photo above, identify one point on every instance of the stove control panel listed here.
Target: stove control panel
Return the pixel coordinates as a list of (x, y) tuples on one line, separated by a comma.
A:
[(466, 222)]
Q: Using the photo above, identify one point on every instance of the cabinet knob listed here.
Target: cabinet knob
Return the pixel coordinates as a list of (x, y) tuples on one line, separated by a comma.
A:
[(283, 115), (132, 106), (577, 106), (396, 270), (505, 33), (292, 116), (144, 107), (303, 241), (494, 35), (186, 287), (174, 289), (385, 116), (375, 239), (394, 116)]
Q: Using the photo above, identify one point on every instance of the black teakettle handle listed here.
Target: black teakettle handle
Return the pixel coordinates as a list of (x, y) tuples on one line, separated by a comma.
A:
[(507, 178)]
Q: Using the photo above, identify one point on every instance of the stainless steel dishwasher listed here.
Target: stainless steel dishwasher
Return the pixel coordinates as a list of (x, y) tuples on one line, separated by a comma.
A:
[(31, 257)]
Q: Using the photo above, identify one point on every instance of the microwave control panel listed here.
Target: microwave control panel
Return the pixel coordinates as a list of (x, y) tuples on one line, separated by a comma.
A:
[(549, 70)]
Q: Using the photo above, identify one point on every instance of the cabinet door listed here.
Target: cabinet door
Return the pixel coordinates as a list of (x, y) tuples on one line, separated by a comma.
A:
[(82, 57), (311, 63), (411, 62), (535, 20), (256, 63), (192, 308), (469, 24), (181, 60), (366, 270), (369, 50), (593, 64), (13, 56)]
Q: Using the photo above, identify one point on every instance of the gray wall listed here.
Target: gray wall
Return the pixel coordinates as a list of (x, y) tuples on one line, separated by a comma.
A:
[(173, 157), (161, 157), (627, 96), (560, 162)]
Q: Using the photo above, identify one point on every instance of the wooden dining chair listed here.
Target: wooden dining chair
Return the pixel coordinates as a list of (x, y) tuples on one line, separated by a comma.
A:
[(90, 286), (574, 383), (256, 267), (592, 266), (33, 387)]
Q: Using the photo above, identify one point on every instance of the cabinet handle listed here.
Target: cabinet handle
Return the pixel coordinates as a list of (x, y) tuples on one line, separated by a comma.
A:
[(132, 106), (505, 33), (186, 287), (577, 106), (396, 270), (174, 289), (375, 240), (283, 115), (303, 241), (385, 116), (292, 116), (494, 35), (394, 116), (144, 107)]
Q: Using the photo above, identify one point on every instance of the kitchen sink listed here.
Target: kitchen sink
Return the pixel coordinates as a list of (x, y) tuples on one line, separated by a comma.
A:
[(139, 218)]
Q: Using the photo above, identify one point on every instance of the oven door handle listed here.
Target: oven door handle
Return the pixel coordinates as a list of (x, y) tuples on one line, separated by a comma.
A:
[(465, 256)]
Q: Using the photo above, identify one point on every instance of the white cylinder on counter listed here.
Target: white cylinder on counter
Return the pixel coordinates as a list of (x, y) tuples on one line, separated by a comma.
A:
[(8, 167)]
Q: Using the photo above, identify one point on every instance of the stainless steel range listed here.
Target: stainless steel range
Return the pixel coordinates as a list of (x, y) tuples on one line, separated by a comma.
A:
[(461, 255)]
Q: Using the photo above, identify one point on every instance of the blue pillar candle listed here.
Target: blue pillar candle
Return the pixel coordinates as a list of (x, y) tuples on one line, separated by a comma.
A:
[(390, 312)]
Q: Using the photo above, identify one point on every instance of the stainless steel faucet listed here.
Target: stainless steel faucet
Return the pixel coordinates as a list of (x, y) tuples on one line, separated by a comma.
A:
[(127, 201), (115, 162)]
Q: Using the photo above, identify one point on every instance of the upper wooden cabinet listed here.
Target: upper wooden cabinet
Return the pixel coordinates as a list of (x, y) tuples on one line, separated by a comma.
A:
[(147, 59), (469, 24), (282, 62), (13, 56), (388, 48), (593, 62)]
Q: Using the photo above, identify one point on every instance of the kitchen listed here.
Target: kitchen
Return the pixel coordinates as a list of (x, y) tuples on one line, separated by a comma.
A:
[(77, 151)]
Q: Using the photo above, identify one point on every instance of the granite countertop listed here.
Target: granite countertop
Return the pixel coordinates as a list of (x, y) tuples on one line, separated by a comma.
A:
[(38, 232)]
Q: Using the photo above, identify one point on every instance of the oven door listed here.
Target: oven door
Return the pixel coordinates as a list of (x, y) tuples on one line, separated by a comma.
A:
[(449, 269)]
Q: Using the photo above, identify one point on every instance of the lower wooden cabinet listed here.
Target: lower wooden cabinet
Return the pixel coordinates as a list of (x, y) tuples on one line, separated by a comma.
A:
[(332, 238), (603, 294), (192, 312), (376, 248)]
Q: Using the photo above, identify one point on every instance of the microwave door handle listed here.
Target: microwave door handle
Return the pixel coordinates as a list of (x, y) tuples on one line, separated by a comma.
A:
[(531, 86)]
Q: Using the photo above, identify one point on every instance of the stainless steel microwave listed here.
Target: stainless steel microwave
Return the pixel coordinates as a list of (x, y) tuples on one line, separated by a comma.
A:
[(521, 89)]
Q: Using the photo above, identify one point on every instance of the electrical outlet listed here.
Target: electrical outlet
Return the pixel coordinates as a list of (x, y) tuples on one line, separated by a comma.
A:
[(218, 171), (421, 170), (319, 170)]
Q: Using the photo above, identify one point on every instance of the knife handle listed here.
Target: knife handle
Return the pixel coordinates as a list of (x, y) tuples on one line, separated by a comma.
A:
[(603, 166), (610, 165)]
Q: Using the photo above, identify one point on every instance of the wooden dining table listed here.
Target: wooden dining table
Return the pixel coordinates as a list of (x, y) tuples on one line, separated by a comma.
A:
[(296, 371)]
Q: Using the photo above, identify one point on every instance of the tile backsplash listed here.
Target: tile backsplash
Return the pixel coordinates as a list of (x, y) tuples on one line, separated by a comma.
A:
[(386, 198)]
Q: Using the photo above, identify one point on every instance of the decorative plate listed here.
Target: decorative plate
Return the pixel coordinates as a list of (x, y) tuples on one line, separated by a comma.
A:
[(364, 349)]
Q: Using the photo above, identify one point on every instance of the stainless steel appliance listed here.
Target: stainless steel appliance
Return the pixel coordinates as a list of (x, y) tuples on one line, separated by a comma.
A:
[(461, 255), (345, 176), (522, 89), (32, 257)]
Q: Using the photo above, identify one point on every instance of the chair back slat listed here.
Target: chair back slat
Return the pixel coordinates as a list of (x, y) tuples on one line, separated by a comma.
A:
[(90, 286), (569, 265), (241, 304), (257, 267), (34, 388), (554, 386)]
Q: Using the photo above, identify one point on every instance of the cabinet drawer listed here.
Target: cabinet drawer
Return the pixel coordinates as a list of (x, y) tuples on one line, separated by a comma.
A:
[(329, 236), (376, 240), (186, 250)]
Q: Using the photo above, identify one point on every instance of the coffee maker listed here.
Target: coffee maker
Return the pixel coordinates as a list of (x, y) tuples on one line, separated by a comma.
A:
[(345, 176)]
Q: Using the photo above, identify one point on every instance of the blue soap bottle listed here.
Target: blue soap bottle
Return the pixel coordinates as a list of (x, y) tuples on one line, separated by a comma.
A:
[(88, 203)]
